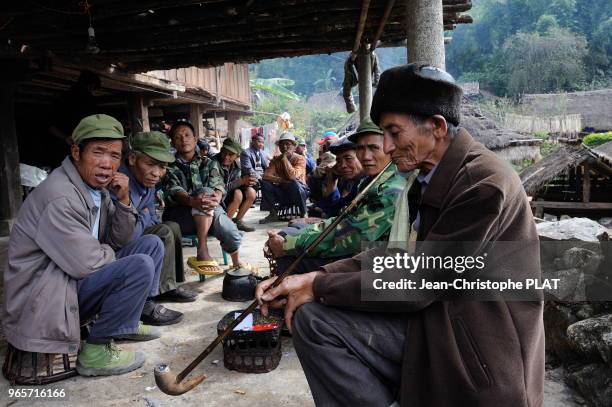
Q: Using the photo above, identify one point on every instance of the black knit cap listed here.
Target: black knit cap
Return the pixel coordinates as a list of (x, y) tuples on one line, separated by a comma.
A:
[(418, 89), (342, 144)]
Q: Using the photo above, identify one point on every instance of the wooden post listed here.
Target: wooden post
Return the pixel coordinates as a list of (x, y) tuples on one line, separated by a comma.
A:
[(586, 183), (539, 211), (232, 122), (10, 182), (425, 32), (140, 113), (364, 71), (195, 117), (217, 137)]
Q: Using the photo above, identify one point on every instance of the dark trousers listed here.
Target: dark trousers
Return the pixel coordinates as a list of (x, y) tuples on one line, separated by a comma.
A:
[(350, 358), (316, 188), (307, 264), (117, 292), (172, 267), (291, 193)]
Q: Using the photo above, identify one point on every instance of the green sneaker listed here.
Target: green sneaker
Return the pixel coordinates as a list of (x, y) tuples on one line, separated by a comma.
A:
[(143, 333), (107, 360)]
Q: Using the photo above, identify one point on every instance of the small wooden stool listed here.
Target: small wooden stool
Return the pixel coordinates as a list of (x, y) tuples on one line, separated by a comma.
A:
[(31, 368), (287, 213)]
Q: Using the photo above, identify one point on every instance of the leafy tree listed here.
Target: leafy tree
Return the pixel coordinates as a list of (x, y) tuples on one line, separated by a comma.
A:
[(544, 63), (308, 122), (326, 83), (478, 50), (545, 23)]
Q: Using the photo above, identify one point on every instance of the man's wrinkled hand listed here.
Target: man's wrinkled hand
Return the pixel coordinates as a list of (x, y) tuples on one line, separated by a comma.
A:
[(275, 243), (252, 180), (120, 186), (296, 288), (209, 203)]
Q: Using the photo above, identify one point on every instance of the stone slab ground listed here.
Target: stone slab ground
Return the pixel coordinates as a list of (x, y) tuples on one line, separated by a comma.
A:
[(181, 343)]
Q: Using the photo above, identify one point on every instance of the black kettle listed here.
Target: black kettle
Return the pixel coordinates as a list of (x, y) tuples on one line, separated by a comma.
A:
[(239, 285)]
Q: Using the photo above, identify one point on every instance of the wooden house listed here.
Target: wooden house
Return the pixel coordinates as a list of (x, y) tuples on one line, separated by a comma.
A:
[(46, 44), (575, 180)]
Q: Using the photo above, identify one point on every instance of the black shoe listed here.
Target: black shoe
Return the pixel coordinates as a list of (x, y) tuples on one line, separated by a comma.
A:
[(179, 295), (157, 314)]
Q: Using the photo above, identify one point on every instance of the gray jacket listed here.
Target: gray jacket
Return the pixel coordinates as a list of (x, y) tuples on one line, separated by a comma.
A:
[(50, 248)]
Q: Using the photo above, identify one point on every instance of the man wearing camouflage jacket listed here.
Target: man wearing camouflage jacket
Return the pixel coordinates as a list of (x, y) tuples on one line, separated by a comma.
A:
[(370, 221)]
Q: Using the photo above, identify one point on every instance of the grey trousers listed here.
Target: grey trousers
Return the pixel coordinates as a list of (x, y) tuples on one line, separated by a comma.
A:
[(223, 228), (172, 267), (350, 358)]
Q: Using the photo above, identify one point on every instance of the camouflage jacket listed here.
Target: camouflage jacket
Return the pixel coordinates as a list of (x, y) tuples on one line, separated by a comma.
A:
[(191, 177), (370, 221), (231, 175)]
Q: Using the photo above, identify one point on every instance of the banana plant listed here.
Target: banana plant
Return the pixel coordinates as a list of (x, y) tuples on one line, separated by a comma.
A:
[(274, 86)]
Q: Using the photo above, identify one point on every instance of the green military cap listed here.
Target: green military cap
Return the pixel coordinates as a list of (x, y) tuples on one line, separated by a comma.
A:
[(232, 146), (97, 126), (155, 144), (301, 141), (366, 126)]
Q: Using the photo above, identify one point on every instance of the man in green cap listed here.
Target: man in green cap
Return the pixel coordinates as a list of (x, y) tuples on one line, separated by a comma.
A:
[(150, 153), (71, 258), (302, 150), (240, 193)]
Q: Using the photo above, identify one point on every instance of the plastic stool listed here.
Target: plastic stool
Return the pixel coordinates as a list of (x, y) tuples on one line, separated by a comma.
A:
[(194, 242)]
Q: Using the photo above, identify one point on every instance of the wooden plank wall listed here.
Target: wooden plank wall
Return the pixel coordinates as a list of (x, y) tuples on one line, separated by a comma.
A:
[(232, 82)]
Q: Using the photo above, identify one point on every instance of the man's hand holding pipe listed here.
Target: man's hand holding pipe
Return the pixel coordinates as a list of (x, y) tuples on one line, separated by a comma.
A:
[(293, 292)]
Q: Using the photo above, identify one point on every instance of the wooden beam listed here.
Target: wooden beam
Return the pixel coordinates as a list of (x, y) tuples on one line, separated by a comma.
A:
[(383, 23), (232, 125), (364, 73), (195, 117), (586, 182), (10, 182), (191, 23), (140, 113), (363, 17)]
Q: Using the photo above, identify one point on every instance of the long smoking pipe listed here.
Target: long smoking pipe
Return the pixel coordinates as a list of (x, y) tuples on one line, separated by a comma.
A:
[(173, 384)]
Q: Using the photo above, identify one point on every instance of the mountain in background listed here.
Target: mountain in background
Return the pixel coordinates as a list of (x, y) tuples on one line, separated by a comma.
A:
[(513, 47)]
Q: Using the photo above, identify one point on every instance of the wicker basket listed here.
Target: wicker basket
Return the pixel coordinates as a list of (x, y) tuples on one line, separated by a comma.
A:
[(30, 368), (251, 351)]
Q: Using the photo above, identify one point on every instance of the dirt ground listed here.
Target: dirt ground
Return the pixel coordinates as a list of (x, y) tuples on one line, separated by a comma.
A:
[(181, 343)]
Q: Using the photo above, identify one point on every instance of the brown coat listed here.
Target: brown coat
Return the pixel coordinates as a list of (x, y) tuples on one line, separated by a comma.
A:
[(463, 353), (50, 248)]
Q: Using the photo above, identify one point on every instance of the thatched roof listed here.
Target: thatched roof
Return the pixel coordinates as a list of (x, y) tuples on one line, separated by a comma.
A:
[(484, 130), (141, 35), (545, 170), (604, 152), (490, 133)]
